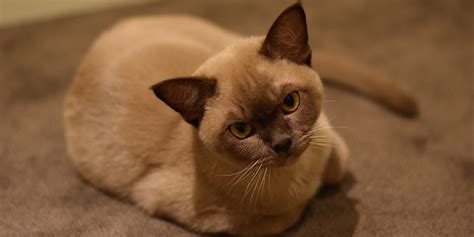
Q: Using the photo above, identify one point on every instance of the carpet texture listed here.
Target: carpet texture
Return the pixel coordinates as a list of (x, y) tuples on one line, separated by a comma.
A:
[(408, 177)]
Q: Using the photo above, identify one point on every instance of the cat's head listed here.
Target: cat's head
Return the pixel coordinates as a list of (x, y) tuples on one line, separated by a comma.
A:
[(256, 100)]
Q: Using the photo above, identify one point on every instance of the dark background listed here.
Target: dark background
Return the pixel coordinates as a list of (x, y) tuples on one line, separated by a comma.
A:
[(409, 177)]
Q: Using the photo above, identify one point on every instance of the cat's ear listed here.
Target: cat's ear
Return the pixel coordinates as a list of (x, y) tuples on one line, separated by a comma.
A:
[(187, 96), (288, 37)]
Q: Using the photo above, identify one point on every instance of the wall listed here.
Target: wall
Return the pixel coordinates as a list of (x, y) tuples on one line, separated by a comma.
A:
[(14, 12)]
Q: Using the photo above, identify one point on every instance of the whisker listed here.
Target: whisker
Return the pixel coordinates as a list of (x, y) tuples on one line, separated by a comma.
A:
[(317, 147), (246, 169), (320, 140), (331, 118), (258, 182), (319, 137), (263, 185), (324, 145), (323, 140), (236, 173), (241, 176), (270, 175), (258, 193), (212, 169), (247, 172), (249, 183), (327, 127), (255, 188)]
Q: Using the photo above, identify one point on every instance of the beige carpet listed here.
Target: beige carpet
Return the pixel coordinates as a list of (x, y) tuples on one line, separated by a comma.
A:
[(408, 177)]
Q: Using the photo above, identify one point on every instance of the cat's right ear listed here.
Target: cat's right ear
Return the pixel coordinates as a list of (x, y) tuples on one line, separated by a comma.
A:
[(186, 96)]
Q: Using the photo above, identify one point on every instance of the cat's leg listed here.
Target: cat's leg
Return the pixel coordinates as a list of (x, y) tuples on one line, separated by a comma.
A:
[(338, 162), (167, 193), (221, 221)]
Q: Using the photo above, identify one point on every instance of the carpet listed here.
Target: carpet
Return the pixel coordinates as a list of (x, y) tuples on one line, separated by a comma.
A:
[(408, 177)]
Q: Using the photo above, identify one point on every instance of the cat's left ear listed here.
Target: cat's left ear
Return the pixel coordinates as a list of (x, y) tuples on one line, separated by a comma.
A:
[(186, 96), (288, 37)]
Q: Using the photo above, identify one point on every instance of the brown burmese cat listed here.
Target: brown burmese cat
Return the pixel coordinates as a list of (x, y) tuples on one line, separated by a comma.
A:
[(250, 144)]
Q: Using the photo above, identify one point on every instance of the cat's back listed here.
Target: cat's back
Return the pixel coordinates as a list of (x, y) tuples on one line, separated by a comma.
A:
[(113, 121), (179, 42)]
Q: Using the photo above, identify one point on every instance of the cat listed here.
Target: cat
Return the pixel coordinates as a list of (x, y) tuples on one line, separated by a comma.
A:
[(231, 138)]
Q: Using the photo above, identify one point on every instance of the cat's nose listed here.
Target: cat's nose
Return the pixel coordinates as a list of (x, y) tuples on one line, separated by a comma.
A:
[(282, 146)]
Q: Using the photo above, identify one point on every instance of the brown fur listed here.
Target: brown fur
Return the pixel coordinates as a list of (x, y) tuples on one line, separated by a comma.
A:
[(124, 140)]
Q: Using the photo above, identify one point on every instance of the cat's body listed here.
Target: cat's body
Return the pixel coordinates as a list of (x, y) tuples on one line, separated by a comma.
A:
[(114, 84), (125, 141)]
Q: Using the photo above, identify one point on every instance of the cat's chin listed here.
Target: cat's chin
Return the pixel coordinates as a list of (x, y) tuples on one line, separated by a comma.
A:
[(282, 161)]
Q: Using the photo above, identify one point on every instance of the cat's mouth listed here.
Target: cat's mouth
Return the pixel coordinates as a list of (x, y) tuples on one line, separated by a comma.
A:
[(286, 158), (281, 160)]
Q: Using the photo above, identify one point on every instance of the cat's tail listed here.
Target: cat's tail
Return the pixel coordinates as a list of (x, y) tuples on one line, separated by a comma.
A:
[(361, 79)]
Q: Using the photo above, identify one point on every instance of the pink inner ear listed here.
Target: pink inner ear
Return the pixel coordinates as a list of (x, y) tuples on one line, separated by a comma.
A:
[(288, 37)]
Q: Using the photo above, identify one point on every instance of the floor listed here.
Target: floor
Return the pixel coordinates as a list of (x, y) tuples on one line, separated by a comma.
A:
[(408, 177)]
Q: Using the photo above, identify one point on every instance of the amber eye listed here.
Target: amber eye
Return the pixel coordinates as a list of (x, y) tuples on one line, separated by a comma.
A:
[(291, 102), (240, 130)]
